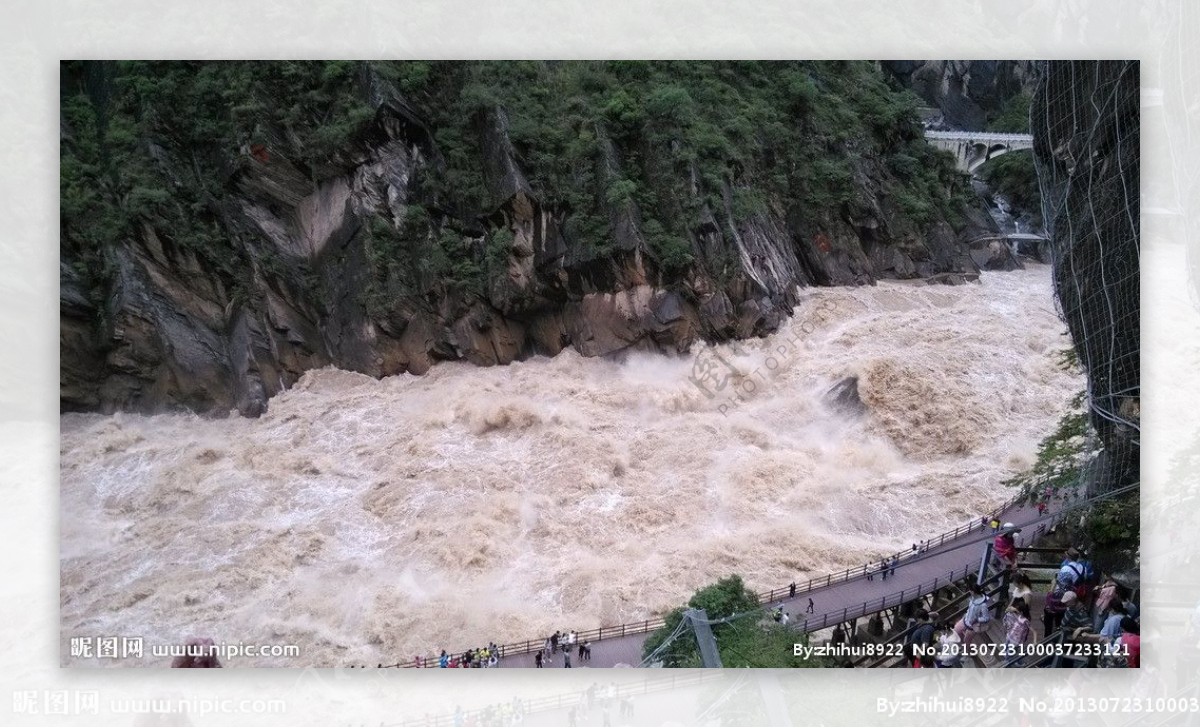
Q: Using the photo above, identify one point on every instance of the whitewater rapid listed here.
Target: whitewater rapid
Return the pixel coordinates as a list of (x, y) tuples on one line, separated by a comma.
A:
[(369, 521)]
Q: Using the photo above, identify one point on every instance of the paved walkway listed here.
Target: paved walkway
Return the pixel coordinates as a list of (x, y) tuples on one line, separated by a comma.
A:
[(915, 576)]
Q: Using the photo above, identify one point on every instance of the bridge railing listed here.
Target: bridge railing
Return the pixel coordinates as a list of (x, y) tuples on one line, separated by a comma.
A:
[(980, 135), (530, 646)]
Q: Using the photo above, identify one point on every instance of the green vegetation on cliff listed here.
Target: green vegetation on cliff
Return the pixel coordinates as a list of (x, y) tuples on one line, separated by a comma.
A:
[(1013, 117), (1063, 470), (679, 145), (1015, 176)]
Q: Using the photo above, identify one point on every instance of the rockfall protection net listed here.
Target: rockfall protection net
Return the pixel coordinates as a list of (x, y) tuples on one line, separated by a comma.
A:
[(1085, 118)]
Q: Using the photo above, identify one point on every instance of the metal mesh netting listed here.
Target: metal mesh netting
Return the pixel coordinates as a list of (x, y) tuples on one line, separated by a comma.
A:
[(1085, 119)]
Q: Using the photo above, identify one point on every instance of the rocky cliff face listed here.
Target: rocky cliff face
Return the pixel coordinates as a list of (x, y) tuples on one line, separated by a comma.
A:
[(359, 260), (1086, 114), (968, 93)]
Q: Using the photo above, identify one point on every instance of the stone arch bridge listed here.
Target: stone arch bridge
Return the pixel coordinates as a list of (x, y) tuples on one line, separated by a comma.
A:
[(972, 148)]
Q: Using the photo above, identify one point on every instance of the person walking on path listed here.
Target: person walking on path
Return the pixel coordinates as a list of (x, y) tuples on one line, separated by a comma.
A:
[(1005, 547), (979, 613), (1022, 588), (950, 644), (883, 569), (554, 643), (566, 658), (537, 659), (1017, 631), (1053, 608), (895, 563), (1106, 597), (792, 590), (810, 608), (1076, 614)]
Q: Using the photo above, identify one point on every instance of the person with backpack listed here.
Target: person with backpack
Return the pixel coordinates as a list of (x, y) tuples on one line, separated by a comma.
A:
[(920, 635), (1087, 578), (979, 614), (1053, 608), (1071, 570)]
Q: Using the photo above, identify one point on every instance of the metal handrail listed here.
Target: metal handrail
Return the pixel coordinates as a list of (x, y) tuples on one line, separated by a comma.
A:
[(995, 584), (890, 600), (870, 568), (649, 625)]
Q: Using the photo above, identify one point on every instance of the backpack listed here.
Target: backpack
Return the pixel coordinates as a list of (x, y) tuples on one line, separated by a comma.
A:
[(981, 611), (1053, 602), (1084, 576)]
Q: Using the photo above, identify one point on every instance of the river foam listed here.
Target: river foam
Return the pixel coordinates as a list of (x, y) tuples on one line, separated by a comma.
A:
[(368, 521)]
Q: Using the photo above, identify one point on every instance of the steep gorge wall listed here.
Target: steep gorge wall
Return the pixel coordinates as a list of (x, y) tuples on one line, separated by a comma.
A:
[(1087, 148), (969, 94), (358, 260)]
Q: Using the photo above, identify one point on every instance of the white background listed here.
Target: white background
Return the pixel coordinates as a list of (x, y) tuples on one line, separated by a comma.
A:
[(33, 37)]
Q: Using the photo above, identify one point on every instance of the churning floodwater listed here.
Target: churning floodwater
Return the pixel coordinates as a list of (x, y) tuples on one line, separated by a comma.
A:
[(368, 521)]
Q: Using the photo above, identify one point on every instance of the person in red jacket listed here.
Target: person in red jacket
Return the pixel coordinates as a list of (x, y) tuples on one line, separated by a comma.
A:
[(1005, 547)]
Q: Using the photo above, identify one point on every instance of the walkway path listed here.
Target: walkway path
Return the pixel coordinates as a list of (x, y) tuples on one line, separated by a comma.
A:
[(915, 576)]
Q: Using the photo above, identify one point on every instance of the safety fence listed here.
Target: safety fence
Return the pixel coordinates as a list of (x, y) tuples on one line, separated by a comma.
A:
[(957, 607), (819, 582), (649, 625)]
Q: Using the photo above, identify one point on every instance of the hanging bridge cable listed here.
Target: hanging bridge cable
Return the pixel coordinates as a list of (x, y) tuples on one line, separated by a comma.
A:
[(659, 651)]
